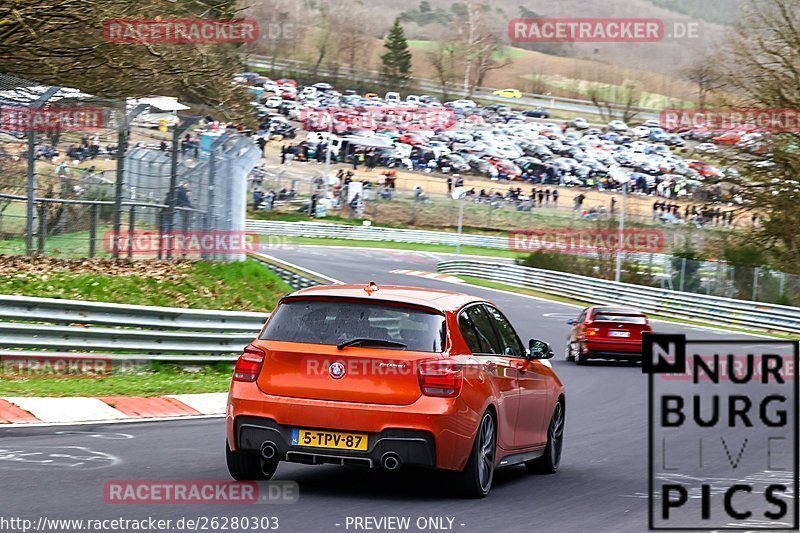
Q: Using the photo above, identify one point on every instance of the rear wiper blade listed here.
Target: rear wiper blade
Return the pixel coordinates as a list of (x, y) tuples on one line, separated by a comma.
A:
[(375, 342)]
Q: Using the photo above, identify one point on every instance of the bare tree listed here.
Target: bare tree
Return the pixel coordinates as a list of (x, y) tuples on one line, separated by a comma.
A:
[(478, 45), (619, 101), (443, 60), (353, 41), (705, 73)]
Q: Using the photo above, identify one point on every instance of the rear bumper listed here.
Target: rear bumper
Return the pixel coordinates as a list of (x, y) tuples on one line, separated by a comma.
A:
[(443, 428), (409, 446), (613, 349), (633, 347)]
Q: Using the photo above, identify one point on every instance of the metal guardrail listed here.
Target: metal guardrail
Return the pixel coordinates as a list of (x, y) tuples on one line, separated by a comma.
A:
[(50, 327), (674, 304), (58, 311)]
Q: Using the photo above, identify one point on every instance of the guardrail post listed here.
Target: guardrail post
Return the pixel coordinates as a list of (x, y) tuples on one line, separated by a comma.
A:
[(42, 228), (756, 272), (94, 215), (683, 274), (131, 228)]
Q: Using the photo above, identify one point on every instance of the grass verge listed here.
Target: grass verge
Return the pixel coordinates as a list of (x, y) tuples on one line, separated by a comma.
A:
[(151, 382), (438, 248), (240, 286)]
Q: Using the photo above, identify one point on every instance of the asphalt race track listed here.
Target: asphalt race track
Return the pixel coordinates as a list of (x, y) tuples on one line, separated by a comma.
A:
[(601, 486)]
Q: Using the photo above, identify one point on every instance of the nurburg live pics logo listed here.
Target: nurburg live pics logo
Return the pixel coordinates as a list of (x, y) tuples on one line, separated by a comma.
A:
[(722, 433)]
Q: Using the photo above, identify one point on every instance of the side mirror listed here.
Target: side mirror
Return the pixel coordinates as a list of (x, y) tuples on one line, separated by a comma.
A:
[(540, 349), (571, 321)]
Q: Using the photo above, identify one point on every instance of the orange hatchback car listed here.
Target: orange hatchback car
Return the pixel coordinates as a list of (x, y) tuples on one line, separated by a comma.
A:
[(393, 376)]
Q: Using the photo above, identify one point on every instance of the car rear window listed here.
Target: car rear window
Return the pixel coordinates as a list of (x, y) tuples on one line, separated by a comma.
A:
[(627, 319), (333, 322)]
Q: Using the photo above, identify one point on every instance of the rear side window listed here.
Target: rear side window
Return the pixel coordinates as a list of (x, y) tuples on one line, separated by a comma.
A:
[(508, 337), (489, 342), (333, 322), (469, 334)]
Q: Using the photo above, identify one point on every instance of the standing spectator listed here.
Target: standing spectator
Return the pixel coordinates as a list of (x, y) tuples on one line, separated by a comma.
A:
[(183, 198), (262, 143), (613, 205), (284, 150), (449, 184), (555, 197), (313, 206), (257, 197), (579, 202), (547, 197), (541, 197)]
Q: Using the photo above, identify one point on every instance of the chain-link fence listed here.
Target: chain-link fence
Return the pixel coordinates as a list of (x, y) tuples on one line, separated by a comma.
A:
[(77, 179), (717, 278)]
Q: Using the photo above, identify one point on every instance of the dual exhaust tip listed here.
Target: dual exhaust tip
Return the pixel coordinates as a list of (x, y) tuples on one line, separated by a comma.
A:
[(389, 460)]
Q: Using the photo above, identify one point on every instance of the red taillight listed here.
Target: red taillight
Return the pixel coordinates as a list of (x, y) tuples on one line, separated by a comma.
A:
[(592, 332), (248, 366), (440, 378)]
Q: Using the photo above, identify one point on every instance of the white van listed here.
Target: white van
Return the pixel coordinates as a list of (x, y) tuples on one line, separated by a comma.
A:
[(412, 99), (392, 97)]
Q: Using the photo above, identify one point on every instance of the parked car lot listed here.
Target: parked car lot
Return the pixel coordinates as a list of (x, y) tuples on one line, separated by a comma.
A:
[(499, 141)]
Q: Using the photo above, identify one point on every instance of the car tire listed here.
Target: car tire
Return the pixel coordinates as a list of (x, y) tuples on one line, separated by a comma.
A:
[(475, 481), (568, 353), (551, 460), (581, 358), (248, 466)]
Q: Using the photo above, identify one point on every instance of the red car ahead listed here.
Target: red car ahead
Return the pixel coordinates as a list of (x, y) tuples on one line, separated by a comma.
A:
[(606, 333)]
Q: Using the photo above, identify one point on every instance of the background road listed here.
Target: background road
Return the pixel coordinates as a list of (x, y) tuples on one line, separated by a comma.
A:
[(601, 486)]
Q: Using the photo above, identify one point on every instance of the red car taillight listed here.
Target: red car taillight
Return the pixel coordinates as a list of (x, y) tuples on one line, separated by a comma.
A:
[(592, 332), (440, 378), (248, 366)]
